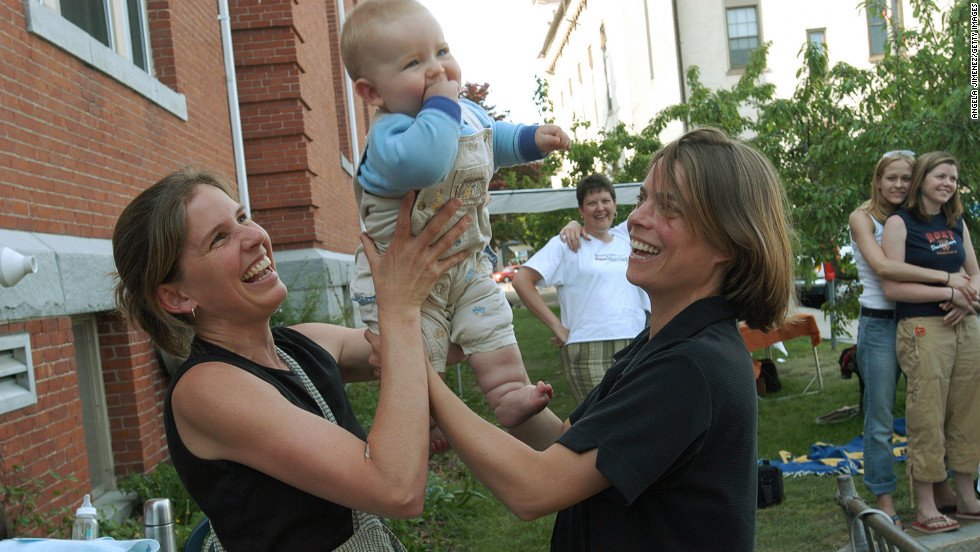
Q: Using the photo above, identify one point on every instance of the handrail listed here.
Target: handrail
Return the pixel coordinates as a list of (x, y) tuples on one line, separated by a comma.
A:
[(870, 530)]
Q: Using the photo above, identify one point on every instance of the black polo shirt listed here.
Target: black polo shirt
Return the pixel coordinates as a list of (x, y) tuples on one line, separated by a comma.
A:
[(675, 421)]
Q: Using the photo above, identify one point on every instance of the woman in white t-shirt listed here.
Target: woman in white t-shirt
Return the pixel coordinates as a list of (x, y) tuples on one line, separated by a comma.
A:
[(589, 282)]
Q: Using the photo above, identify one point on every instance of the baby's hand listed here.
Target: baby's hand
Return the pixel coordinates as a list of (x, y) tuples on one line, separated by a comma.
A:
[(549, 138), (447, 88)]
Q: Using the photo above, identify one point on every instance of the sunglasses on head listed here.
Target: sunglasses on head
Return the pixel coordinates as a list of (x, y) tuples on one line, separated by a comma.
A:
[(896, 153)]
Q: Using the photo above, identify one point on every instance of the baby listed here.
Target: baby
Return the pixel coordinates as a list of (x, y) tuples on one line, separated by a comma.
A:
[(424, 138)]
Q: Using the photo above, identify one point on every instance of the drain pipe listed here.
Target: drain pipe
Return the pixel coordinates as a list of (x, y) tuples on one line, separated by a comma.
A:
[(680, 60), (351, 114), (349, 93), (235, 116)]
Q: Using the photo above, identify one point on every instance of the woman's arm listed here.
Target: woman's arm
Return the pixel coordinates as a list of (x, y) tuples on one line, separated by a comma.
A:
[(225, 414), (893, 245), (862, 232), (346, 345), (525, 284), (530, 483)]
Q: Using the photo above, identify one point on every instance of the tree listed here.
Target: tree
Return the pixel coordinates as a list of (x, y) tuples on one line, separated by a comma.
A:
[(825, 140)]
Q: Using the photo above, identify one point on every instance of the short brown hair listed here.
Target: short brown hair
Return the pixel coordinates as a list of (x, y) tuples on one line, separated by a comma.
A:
[(146, 245), (953, 208), (591, 184), (358, 30), (738, 204)]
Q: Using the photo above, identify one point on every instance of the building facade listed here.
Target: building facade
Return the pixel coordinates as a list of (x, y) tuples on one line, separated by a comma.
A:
[(99, 100), (623, 62)]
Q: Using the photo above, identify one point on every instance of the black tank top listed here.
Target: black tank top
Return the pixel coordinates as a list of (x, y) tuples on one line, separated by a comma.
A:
[(248, 509)]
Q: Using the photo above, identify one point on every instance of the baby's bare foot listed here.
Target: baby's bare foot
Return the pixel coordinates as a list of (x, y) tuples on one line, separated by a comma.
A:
[(520, 404)]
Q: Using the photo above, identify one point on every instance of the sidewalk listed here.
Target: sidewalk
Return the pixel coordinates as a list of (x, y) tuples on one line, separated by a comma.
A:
[(964, 539)]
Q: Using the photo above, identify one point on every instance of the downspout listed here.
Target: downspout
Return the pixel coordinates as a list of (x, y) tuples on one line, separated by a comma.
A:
[(236, 119), (351, 114), (680, 59)]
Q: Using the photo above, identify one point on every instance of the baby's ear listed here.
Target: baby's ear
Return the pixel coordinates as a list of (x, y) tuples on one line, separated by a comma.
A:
[(367, 92)]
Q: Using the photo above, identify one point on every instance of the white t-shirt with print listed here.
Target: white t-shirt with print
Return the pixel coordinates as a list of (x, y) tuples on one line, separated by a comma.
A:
[(597, 302)]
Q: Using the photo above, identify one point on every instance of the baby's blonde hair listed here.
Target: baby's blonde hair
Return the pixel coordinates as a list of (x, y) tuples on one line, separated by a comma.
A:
[(359, 29)]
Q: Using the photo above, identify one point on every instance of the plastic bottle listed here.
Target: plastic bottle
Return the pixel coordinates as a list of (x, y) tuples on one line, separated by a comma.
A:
[(86, 526)]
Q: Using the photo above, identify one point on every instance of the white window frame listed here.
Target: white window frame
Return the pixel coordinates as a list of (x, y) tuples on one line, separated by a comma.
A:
[(823, 37), (44, 20), (894, 9), (17, 387), (729, 7)]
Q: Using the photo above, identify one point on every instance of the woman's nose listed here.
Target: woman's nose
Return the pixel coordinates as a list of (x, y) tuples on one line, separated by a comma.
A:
[(252, 235)]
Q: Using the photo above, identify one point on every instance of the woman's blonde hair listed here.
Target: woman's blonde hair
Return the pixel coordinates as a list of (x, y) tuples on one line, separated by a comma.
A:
[(953, 208), (877, 206), (738, 203), (146, 246)]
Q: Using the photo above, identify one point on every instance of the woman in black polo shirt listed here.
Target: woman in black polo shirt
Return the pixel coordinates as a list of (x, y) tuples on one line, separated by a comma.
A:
[(661, 455)]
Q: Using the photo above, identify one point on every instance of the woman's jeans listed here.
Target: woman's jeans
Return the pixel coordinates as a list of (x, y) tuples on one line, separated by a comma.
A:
[(879, 369)]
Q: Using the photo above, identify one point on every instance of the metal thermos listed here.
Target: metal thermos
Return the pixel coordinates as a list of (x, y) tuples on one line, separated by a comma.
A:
[(158, 523)]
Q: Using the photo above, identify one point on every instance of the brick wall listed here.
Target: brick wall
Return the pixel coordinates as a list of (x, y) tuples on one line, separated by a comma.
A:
[(294, 123), (79, 144), (47, 436), (135, 387), (76, 145)]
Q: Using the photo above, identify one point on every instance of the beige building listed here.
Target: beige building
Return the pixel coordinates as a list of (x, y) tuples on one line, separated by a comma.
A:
[(625, 60)]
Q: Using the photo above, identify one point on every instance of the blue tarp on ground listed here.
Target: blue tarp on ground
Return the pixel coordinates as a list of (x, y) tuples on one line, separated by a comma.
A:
[(827, 459)]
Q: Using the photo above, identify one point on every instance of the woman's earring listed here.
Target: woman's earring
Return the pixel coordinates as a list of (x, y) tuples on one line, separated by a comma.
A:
[(194, 315)]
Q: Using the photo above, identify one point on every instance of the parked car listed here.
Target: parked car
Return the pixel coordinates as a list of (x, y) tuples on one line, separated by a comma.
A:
[(506, 274), (815, 295)]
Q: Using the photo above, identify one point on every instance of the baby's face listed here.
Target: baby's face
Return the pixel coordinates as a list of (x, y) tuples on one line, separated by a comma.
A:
[(408, 57)]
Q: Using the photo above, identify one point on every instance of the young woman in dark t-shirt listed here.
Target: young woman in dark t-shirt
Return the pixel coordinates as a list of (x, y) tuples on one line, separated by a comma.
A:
[(938, 343)]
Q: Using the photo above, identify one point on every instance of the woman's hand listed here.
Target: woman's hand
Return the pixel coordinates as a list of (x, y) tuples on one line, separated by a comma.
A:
[(561, 336), (960, 301), (960, 281), (405, 273), (572, 234), (955, 316)]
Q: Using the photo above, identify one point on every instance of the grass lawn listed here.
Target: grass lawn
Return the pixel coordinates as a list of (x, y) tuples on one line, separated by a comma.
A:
[(461, 515)]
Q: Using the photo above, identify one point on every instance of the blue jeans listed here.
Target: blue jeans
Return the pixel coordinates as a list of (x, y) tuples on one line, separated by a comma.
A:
[(879, 369)]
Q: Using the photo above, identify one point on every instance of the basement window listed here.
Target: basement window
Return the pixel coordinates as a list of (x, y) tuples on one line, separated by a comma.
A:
[(17, 388)]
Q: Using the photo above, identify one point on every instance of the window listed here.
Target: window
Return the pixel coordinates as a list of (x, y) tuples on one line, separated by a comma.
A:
[(90, 16), (111, 36), (743, 35), (879, 19), (16, 373), (118, 24), (95, 410), (606, 61), (817, 37)]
